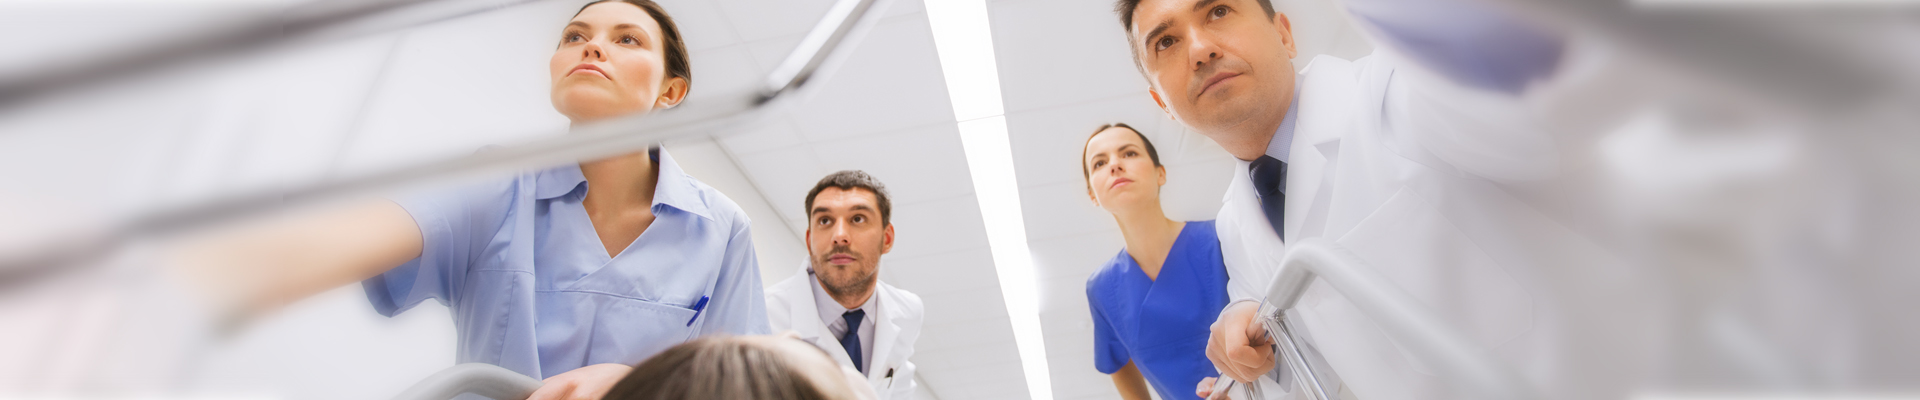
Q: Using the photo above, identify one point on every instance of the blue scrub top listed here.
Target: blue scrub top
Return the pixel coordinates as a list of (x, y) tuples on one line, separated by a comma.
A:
[(531, 288), (1161, 324)]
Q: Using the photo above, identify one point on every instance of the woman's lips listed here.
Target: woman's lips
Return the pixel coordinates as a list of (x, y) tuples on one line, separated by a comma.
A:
[(1117, 182), (588, 68)]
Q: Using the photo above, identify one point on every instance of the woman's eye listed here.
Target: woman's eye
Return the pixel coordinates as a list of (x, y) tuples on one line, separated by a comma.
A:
[(572, 37), (629, 40), (1218, 12), (1098, 164)]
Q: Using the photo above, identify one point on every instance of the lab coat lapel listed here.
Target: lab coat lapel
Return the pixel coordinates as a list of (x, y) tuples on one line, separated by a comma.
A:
[(806, 320), (885, 332), (1327, 95)]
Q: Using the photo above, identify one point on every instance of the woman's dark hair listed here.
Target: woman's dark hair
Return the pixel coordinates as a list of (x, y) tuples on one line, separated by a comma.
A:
[(1086, 175), (716, 367), (676, 48)]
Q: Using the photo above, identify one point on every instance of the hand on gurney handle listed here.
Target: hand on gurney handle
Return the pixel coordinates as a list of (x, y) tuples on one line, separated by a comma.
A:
[(1239, 347)]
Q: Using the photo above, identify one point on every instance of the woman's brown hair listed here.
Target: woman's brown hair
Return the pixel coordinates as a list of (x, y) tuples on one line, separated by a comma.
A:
[(678, 64), (716, 368)]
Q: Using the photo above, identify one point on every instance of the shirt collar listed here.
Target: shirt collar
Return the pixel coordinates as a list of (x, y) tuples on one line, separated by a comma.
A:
[(831, 309), (1281, 146), (675, 189)]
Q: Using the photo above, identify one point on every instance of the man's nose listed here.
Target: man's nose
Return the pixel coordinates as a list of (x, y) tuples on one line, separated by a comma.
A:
[(840, 234), (1201, 49)]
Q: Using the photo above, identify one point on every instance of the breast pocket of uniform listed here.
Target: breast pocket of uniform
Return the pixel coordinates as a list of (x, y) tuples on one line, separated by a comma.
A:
[(627, 330)]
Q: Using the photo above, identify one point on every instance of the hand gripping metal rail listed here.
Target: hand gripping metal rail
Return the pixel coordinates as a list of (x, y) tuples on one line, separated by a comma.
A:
[(817, 53), (1470, 371)]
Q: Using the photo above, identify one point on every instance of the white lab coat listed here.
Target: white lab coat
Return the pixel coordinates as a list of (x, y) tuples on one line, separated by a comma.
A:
[(790, 306), (1404, 170)]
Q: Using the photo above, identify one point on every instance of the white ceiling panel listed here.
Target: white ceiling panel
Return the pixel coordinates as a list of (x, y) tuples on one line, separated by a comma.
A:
[(1054, 53), (918, 161), (891, 81)]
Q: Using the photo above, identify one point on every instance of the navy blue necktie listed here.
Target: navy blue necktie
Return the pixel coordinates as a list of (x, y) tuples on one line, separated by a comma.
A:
[(851, 340), (1270, 184)]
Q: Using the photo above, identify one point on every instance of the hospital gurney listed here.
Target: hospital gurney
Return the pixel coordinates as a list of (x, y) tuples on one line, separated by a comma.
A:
[(1470, 369)]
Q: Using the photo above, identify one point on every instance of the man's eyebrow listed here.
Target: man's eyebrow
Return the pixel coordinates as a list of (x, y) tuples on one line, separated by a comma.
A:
[(1203, 4), (1157, 29)]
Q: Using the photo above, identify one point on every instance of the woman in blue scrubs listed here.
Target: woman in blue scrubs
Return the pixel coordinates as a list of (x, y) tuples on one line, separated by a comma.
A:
[(1152, 303), (571, 273)]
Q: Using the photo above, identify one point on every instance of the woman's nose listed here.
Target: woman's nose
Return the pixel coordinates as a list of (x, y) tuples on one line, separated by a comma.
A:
[(592, 52)]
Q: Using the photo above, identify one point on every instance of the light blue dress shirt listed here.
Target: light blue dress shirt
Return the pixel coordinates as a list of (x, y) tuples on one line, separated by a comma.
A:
[(531, 288)]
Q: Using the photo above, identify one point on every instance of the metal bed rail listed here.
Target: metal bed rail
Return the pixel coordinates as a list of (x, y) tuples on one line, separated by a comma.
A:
[(485, 380), (818, 52), (1469, 370)]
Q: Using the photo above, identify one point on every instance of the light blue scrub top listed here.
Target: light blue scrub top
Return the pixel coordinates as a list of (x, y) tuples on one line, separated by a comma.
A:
[(532, 289), (1161, 324)]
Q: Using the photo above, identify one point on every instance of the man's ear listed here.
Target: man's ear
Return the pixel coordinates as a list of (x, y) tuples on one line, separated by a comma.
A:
[(808, 237), (1161, 103), (673, 91), (1284, 27), (887, 244)]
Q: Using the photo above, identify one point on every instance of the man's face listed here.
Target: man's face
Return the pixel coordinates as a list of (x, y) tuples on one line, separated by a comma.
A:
[(845, 239), (1215, 64)]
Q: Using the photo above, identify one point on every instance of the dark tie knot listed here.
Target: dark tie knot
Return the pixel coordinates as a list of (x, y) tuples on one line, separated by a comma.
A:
[(853, 319), (1269, 175)]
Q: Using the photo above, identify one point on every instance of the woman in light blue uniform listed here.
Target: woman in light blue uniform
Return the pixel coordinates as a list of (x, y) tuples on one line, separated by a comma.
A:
[(1152, 303), (571, 273)]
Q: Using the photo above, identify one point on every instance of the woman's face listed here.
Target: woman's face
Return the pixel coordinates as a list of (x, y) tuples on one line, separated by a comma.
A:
[(612, 62), (1120, 175)]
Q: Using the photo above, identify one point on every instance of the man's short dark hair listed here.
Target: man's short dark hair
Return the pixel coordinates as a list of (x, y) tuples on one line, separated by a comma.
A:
[(855, 179), (1125, 9)]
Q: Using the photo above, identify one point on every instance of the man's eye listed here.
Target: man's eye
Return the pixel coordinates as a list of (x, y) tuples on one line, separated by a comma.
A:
[(823, 221), (859, 218), (1163, 43)]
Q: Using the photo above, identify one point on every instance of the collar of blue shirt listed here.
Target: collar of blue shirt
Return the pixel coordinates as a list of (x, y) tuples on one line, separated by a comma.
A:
[(675, 189)]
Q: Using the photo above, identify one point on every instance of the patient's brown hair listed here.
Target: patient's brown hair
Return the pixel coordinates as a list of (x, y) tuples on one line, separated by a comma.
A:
[(716, 368)]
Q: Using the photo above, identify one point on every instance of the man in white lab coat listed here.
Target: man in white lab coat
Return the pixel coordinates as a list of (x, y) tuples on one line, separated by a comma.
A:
[(839, 302), (1396, 156)]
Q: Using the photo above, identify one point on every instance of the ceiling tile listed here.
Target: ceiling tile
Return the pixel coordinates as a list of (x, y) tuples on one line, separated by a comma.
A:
[(956, 220), (891, 81), (1082, 53), (917, 164), (969, 270)]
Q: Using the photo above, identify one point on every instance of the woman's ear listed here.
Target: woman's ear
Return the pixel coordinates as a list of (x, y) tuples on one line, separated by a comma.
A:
[(1163, 174), (671, 93)]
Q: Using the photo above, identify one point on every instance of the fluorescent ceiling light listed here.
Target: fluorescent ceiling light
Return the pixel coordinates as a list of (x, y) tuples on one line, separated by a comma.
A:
[(964, 41)]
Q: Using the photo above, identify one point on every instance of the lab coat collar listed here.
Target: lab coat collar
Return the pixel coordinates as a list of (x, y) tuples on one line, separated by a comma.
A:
[(1327, 95), (674, 189)]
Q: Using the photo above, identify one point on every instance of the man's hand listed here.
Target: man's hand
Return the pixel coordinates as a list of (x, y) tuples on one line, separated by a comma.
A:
[(585, 383), (1239, 347), (1205, 390)]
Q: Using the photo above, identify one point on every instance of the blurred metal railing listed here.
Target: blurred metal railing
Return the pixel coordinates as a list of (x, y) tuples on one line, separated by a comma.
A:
[(485, 380), (1468, 369), (817, 53)]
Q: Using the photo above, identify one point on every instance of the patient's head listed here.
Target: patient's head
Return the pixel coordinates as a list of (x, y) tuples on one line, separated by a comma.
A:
[(740, 367)]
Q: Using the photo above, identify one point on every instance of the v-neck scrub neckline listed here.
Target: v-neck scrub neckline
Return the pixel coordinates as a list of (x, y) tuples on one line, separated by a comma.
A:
[(1160, 324)]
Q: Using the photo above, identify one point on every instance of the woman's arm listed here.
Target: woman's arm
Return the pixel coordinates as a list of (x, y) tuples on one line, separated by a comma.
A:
[(260, 268), (1132, 385)]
